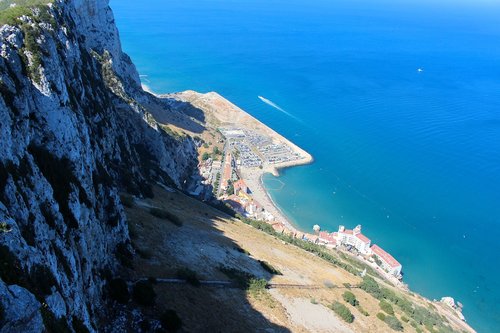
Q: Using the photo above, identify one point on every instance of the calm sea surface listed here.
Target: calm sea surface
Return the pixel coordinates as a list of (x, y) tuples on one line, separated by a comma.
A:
[(413, 156)]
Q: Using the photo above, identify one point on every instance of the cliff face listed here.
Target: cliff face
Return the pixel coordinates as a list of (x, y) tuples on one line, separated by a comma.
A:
[(73, 132)]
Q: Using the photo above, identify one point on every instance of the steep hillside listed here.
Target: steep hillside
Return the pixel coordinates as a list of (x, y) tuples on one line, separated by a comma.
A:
[(301, 288), (73, 131)]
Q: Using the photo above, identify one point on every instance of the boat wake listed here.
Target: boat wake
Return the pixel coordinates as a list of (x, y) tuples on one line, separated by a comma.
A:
[(277, 107)]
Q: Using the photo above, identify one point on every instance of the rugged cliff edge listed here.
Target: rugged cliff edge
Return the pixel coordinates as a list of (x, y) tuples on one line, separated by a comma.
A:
[(73, 132)]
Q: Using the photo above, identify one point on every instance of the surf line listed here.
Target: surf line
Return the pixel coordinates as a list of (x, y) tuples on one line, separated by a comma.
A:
[(277, 107)]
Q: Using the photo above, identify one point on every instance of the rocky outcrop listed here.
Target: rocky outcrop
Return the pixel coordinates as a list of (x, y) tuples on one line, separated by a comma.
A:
[(74, 132)]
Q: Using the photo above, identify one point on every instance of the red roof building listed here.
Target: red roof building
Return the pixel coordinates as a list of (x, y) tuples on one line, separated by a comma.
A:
[(388, 261), (327, 237)]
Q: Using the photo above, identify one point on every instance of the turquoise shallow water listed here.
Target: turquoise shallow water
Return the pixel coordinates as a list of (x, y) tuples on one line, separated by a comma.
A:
[(412, 156)]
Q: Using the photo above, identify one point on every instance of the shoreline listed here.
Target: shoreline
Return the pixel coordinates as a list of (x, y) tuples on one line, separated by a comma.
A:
[(215, 107)]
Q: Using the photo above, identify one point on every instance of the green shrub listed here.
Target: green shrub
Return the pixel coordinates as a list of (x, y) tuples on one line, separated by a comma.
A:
[(165, 215), (241, 250), (11, 15), (347, 285), (239, 277), (381, 316), (127, 200), (371, 286), (350, 298), (405, 319), (314, 301), (143, 293), (144, 253), (118, 290), (363, 311), (5, 227), (342, 311), (124, 255), (256, 286), (269, 268), (393, 323), (2, 314), (52, 323), (171, 321), (189, 275), (78, 325), (386, 307)]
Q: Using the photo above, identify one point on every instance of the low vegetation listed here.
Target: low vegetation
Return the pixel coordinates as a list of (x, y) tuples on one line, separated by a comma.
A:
[(386, 307), (143, 293), (166, 215), (127, 200), (118, 291), (269, 268), (4, 227), (241, 250), (124, 255), (362, 311), (256, 287), (393, 323), (188, 275), (170, 321), (2, 314), (350, 298), (10, 15), (342, 311), (422, 316), (239, 277)]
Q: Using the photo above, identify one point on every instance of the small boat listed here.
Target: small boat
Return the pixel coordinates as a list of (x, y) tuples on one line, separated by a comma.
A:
[(420, 70)]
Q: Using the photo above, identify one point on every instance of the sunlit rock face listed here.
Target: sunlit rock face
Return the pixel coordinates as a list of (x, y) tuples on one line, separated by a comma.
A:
[(73, 133)]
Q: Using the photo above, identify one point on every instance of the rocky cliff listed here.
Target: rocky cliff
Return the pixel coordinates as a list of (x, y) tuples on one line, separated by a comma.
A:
[(74, 132)]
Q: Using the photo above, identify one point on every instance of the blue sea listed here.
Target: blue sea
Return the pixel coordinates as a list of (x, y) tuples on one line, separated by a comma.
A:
[(413, 156)]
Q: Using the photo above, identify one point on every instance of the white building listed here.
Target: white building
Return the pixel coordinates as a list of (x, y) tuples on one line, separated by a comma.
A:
[(354, 238)]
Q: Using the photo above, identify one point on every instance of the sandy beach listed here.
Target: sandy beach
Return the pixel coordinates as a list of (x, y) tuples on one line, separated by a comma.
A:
[(222, 112), (253, 178)]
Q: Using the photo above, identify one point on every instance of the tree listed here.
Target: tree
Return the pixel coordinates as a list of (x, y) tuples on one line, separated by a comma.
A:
[(205, 156), (371, 286), (386, 307), (143, 293), (342, 311), (350, 298), (118, 290), (170, 321), (230, 187)]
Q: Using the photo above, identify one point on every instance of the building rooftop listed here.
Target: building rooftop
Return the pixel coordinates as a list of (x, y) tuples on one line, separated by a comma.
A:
[(363, 238), (328, 237), (385, 256)]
